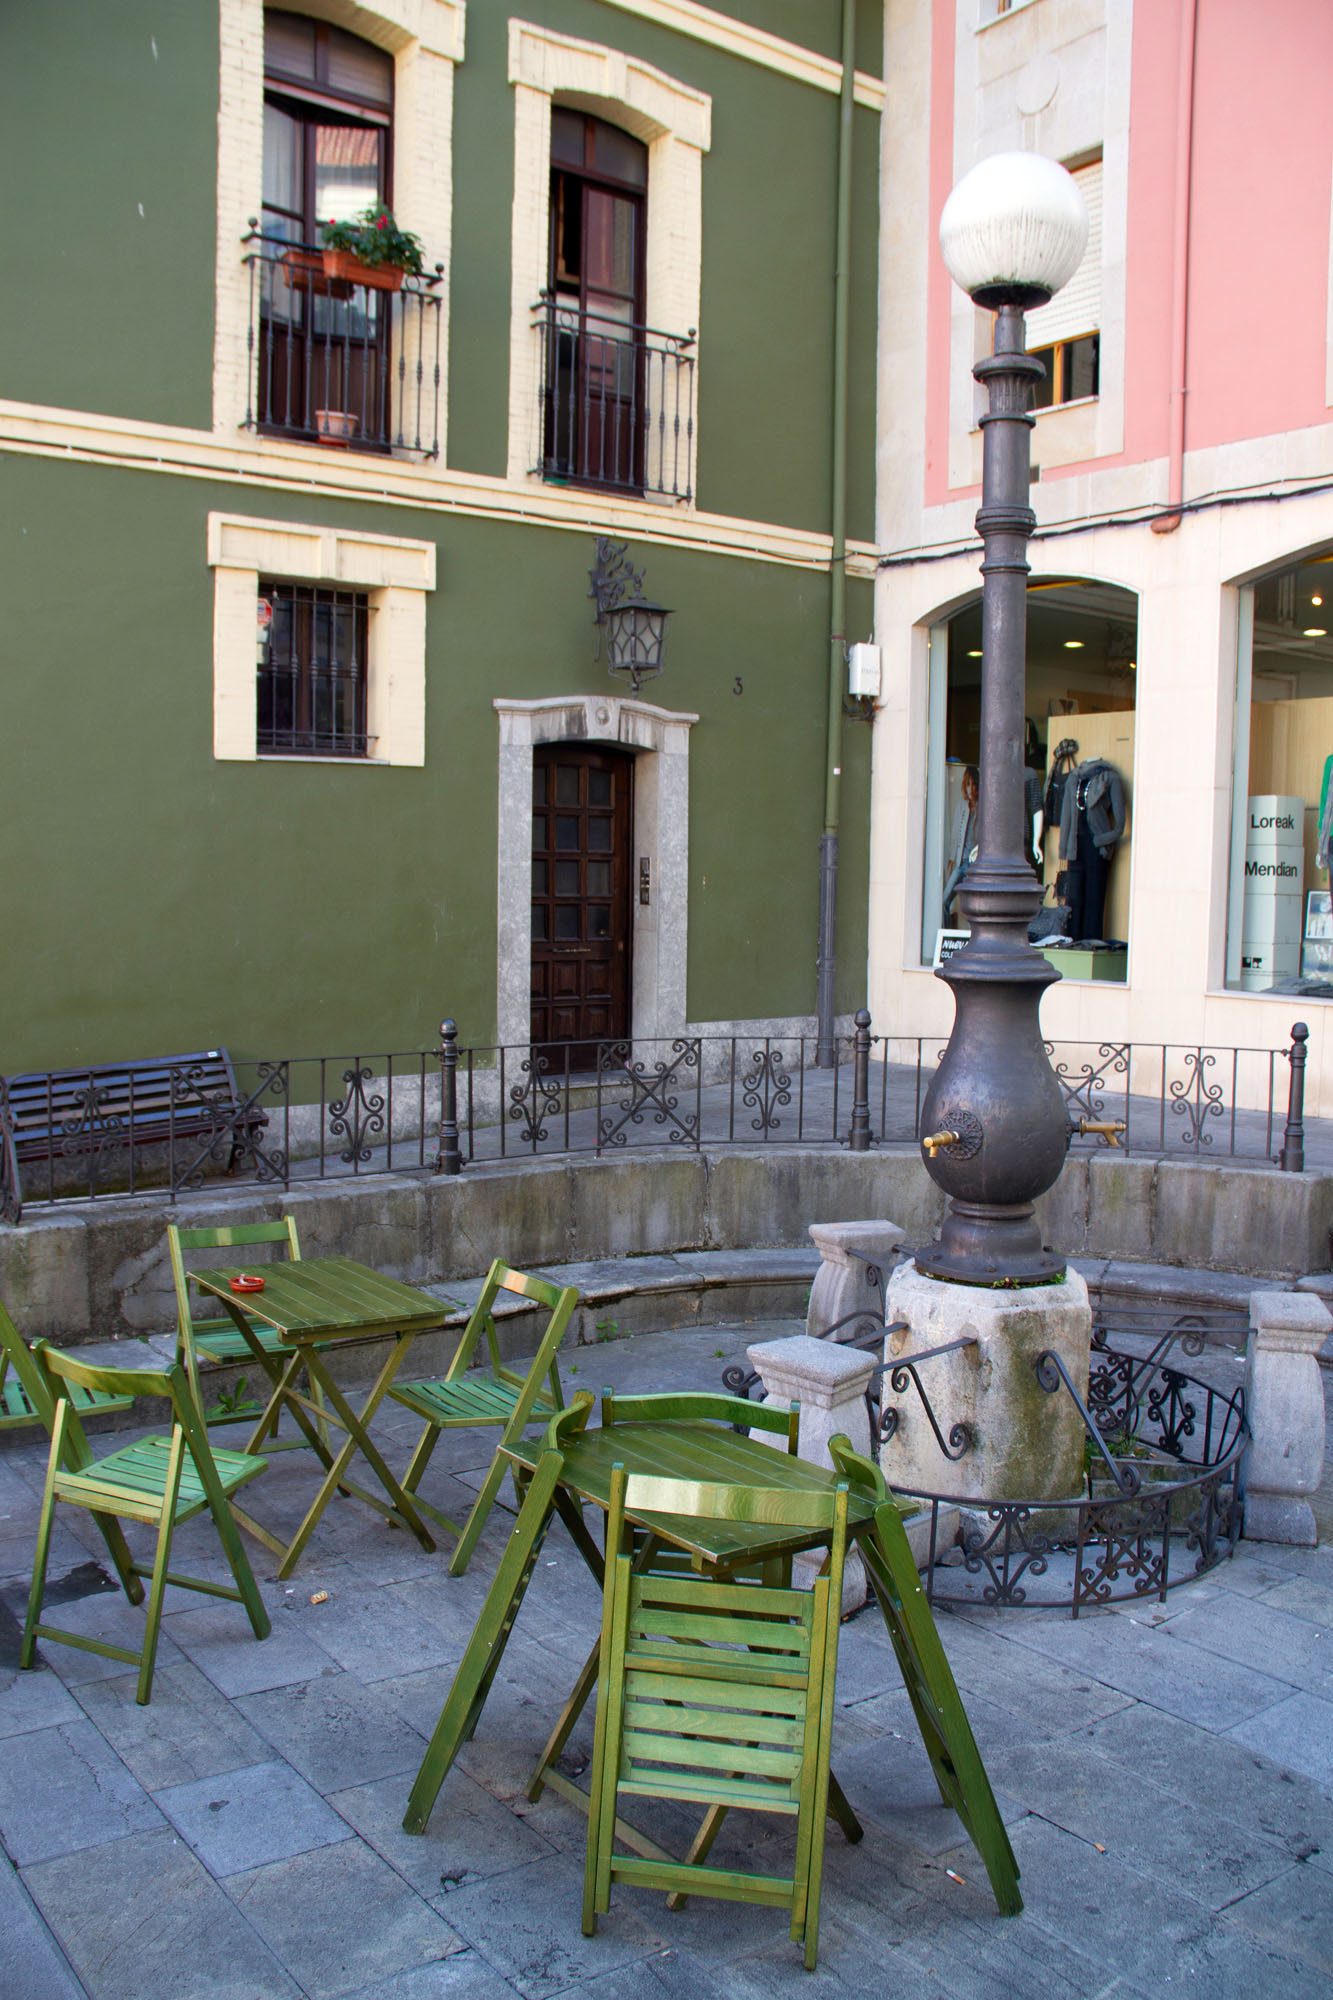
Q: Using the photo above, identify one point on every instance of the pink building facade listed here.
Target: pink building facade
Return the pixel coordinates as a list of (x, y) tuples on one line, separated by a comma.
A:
[(1181, 608)]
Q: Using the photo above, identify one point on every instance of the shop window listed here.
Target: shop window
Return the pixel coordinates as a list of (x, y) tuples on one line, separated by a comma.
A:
[(1079, 759), (1280, 921)]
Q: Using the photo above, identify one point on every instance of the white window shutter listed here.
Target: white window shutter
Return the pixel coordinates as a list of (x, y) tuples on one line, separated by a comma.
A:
[(1078, 308)]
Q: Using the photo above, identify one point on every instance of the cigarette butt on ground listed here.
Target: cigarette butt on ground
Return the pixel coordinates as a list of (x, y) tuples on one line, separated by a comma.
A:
[(955, 1878), (320, 1597)]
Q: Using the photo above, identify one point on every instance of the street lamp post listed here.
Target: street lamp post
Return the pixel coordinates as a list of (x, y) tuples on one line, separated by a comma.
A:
[(996, 1128)]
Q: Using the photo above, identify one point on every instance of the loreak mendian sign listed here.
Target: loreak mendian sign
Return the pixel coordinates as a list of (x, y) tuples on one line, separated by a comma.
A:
[(1274, 872)]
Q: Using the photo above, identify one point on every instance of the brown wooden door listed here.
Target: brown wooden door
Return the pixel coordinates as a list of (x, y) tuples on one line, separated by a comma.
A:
[(580, 901)]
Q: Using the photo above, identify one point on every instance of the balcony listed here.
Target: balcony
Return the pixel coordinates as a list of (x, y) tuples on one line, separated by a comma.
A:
[(352, 366), (617, 403)]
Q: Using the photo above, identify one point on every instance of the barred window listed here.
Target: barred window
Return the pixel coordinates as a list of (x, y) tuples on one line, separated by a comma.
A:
[(312, 671)]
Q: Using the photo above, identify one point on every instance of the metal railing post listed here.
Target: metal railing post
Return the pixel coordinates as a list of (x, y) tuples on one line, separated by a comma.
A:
[(449, 1160), (1292, 1157), (858, 1138)]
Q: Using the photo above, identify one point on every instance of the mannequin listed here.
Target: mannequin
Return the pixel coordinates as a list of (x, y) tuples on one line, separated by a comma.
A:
[(962, 840), (1092, 821)]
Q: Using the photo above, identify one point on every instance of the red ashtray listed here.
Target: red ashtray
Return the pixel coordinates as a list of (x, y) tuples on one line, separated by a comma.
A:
[(247, 1281)]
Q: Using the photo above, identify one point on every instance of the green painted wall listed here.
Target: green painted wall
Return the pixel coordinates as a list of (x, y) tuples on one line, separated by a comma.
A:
[(479, 289), (108, 138), (817, 25), (158, 900)]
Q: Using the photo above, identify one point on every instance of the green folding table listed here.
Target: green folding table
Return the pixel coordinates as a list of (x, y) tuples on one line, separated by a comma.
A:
[(568, 1467), (320, 1307)]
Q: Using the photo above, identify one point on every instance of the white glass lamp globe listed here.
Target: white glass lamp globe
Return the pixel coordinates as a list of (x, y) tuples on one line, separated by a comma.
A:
[(1014, 230)]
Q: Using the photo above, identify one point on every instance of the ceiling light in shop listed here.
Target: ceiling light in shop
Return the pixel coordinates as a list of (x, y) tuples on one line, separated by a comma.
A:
[(975, 653), (1316, 600), (1315, 632), (1073, 645)]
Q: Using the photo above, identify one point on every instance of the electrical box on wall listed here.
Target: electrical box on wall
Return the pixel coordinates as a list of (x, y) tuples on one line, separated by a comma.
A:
[(863, 671)]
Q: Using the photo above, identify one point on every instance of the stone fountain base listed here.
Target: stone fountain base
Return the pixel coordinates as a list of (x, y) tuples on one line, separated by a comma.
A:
[(1020, 1441)]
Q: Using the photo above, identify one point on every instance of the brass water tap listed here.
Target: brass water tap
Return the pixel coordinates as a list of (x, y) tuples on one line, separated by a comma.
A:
[(933, 1144), (1107, 1127)]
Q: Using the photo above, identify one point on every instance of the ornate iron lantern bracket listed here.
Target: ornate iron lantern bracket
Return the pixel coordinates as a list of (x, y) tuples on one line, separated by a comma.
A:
[(633, 627)]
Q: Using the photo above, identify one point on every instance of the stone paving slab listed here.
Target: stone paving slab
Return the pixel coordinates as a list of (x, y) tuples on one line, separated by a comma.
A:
[(142, 1917), (1297, 1733), (369, 1924), (245, 1819), (34, 1965), (184, 1733), (240, 1838), (63, 1789)]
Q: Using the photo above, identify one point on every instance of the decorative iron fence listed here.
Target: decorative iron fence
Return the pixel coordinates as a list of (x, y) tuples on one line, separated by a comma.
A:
[(1161, 1506), (289, 1119), (1155, 1098), (1161, 1500), (617, 401), (337, 361)]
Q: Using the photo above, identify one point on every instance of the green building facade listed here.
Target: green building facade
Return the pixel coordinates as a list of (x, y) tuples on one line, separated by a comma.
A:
[(300, 646)]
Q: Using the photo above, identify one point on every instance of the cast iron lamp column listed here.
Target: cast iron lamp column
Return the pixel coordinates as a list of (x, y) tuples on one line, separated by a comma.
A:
[(1012, 232)]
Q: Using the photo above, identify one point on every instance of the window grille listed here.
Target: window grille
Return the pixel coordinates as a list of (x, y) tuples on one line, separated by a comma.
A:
[(312, 671)]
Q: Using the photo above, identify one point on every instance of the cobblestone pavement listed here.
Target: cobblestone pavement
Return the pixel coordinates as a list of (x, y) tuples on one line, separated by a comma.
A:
[(1166, 1773)]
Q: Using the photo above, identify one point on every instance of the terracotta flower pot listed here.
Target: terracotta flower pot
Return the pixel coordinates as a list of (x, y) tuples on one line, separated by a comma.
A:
[(336, 426), (340, 264)]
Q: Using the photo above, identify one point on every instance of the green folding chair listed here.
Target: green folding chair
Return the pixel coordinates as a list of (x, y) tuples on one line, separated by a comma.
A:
[(945, 1730), (24, 1395), (160, 1481), (219, 1343), (718, 1693), (497, 1397)]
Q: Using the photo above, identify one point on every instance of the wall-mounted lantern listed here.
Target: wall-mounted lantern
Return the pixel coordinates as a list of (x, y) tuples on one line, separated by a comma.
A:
[(633, 629)]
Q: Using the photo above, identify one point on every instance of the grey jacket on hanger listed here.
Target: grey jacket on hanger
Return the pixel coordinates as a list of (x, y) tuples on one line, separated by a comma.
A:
[(1097, 785)]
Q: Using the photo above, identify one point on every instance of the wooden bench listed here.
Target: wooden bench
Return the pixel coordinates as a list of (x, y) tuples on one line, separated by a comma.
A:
[(107, 1109)]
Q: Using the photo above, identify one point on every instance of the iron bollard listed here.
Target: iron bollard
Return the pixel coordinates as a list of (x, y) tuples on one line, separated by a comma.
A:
[(858, 1139), (449, 1160), (1292, 1157)]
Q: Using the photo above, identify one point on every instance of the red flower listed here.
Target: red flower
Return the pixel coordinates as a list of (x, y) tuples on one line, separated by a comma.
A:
[(383, 222)]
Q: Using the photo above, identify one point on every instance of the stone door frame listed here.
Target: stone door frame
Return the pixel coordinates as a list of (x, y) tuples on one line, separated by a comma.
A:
[(660, 738)]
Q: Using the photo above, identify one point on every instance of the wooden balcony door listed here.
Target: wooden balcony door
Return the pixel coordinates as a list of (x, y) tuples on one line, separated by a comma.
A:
[(594, 421), (581, 828)]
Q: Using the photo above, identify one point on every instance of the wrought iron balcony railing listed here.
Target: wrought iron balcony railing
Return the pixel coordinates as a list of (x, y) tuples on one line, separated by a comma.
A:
[(617, 402), (338, 361)]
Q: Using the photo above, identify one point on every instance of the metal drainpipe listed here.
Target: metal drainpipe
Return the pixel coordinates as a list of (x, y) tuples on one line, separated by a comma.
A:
[(826, 960)]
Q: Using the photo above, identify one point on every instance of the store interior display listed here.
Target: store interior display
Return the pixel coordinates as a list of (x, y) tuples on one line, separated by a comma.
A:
[(1081, 672), (1289, 679)]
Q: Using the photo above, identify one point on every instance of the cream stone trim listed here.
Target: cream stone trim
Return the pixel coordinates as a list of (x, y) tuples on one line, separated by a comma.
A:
[(675, 123), (755, 45), (396, 573), (661, 737), (425, 38), (270, 464)]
